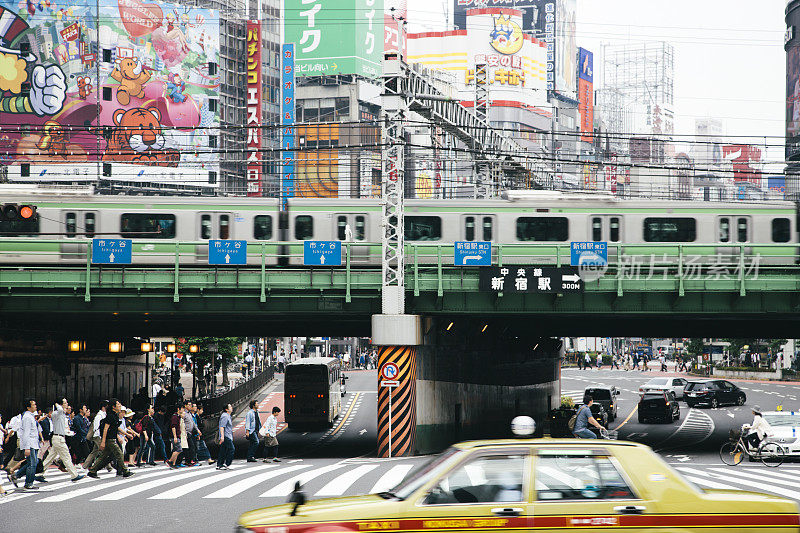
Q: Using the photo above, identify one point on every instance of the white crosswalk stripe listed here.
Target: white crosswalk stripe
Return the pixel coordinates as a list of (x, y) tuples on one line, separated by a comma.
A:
[(197, 484), (285, 487), (745, 478), (252, 481), (339, 486), (136, 489), (391, 478), (97, 487)]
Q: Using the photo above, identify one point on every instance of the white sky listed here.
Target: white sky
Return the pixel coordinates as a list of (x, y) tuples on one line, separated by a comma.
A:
[(729, 57)]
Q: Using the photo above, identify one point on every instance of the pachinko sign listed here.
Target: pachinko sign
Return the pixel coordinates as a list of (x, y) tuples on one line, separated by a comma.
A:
[(254, 170)]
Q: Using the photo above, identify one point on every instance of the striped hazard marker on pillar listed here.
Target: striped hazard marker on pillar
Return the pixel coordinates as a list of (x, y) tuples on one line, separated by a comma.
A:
[(403, 402)]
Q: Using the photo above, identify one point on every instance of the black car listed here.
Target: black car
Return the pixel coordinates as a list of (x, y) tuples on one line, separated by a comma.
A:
[(713, 392), (607, 397), (659, 405)]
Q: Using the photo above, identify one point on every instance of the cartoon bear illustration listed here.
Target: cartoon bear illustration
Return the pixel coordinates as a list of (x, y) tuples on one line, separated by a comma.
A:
[(132, 77)]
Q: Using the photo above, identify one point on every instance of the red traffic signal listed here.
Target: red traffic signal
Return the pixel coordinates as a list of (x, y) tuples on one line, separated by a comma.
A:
[(12, 212)]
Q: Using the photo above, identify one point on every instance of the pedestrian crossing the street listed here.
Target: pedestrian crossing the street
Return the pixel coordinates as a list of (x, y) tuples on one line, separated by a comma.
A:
[(267, 481), (782, 481)]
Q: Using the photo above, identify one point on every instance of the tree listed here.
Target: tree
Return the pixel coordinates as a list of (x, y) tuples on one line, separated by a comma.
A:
[(227, 348), (736, 346), (695, 347)]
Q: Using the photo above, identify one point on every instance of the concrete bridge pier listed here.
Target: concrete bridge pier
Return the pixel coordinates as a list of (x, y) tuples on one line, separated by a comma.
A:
[(462, 378)]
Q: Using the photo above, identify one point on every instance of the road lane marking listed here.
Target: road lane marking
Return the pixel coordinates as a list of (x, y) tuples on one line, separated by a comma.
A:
[(252, 481), (136, 489), (283, 488), (346, 415), (341, 483), (626, 420), (200, 483), (391, 478)]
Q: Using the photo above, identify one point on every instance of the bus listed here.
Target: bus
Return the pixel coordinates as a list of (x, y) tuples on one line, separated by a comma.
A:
[(312, 391)]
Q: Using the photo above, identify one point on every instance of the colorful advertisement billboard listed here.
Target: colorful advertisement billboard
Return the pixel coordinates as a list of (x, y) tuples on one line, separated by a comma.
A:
[(121, 81), (792, 103), (287, 123), (254, 176), (586, 93), (335, 37)]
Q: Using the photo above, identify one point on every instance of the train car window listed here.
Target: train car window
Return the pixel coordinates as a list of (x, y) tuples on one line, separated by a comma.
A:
[(341, 227), (487, 228), (262, 227), (16, 228), (542, 229), (741, 230), (423, 228), (613, 229), (303, 227), (781, 230), (71, 224), (469, 228), (147, 226), (361, 227), (224, 227), (597, 229), (724, 230), (205, 226), (670, 229), (89, 224)]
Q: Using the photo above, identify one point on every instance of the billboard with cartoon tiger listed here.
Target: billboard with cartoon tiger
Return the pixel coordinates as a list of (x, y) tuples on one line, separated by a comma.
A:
[(133, 83)]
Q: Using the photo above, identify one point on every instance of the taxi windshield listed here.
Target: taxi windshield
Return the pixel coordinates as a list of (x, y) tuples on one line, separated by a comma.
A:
[(782, 420), (421, 474)]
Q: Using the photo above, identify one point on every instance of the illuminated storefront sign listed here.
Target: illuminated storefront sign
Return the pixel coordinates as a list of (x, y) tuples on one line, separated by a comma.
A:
[(254, 158)]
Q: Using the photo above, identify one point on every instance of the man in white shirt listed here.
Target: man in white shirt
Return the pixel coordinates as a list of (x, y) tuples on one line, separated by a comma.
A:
[(29, 442), (58, 443), (95, 434), (271, 437), (18, 458), (156, 389)]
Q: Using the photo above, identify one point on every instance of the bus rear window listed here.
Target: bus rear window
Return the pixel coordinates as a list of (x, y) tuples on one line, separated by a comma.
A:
[(306, 374)]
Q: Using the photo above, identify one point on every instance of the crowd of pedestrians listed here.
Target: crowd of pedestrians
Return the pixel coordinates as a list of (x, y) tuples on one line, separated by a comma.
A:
[(81, 443)]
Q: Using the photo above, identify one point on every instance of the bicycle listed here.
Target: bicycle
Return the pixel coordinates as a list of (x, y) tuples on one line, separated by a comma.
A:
[(733, 452)]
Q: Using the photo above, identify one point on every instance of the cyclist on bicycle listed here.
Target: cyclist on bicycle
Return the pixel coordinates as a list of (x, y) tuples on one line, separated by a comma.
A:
[(758, 430), (584, 418)]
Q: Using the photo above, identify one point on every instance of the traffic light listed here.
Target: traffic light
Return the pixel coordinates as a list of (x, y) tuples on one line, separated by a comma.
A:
[(15, 212)]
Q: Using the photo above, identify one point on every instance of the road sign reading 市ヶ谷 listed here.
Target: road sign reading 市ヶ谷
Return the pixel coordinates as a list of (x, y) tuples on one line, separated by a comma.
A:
[(111, 251), (390, 371), (322, 253), (588, 253), (530, 279), (227, 252), (472, 253)]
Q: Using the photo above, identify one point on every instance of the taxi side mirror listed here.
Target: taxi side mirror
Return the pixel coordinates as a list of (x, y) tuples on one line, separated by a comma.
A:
[(434, 496)]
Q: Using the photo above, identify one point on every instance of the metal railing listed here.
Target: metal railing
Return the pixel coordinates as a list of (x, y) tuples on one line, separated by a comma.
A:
[(215, 403)]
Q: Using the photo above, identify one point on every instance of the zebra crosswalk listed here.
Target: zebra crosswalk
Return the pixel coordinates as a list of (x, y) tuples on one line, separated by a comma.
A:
[(782, 481), (320, 478)]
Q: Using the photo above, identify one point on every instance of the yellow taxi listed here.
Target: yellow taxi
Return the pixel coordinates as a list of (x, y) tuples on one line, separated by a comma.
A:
[(537, 485)]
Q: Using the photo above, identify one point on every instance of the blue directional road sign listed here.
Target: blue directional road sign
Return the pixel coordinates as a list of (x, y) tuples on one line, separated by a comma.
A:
[(589, 253), (322, 253), (227, 252), (111, 251), (472, 253)]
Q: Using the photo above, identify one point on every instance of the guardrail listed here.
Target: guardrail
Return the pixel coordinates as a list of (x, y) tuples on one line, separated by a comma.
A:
[(429, 266), (215, 404)]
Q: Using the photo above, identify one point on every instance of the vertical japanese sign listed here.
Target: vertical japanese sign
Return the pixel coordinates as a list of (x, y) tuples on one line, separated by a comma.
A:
[(549, 32), (254, 159), (287, 124), (586, 93)]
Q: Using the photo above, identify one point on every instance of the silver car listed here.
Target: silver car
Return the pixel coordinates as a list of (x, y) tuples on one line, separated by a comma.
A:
[(675, 385)]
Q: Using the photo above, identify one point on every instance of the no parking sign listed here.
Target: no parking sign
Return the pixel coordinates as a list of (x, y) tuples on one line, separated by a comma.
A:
[(390, 371)]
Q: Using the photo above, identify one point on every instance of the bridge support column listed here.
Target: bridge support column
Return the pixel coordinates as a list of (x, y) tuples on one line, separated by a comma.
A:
[(397, 337)]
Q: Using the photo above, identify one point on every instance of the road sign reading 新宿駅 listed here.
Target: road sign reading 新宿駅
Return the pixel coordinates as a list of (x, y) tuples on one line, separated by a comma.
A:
[(472, 253), (227, 252), (322, 253), (335, 36), (530, 279), (588, 253), (111, 251)]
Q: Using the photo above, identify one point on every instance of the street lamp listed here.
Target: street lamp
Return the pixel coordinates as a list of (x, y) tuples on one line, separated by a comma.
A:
[(146, 347), (193, 348), (171, 348), (115, 346), (76, 346)]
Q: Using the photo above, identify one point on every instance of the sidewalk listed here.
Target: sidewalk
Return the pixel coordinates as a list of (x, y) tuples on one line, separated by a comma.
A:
[(655, 366)]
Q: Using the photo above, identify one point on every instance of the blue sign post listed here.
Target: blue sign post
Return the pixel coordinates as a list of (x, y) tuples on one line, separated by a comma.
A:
[(588, 253), (227, 252), (112, 251), (322, 253), (472, 253)]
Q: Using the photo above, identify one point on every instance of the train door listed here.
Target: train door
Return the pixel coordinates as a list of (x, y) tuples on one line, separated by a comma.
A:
[(76, 226), (607, 228), (733, 231), (211, 225), (352, 227), (478, 227)]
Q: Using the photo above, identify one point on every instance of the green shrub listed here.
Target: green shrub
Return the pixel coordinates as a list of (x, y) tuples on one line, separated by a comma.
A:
[(567, 402)]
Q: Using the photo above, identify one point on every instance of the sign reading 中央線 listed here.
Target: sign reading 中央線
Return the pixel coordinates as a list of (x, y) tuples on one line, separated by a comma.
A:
[(588, 253), (111, 251), (472, 253), (530, 279), (322, 253), (227, 252)]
